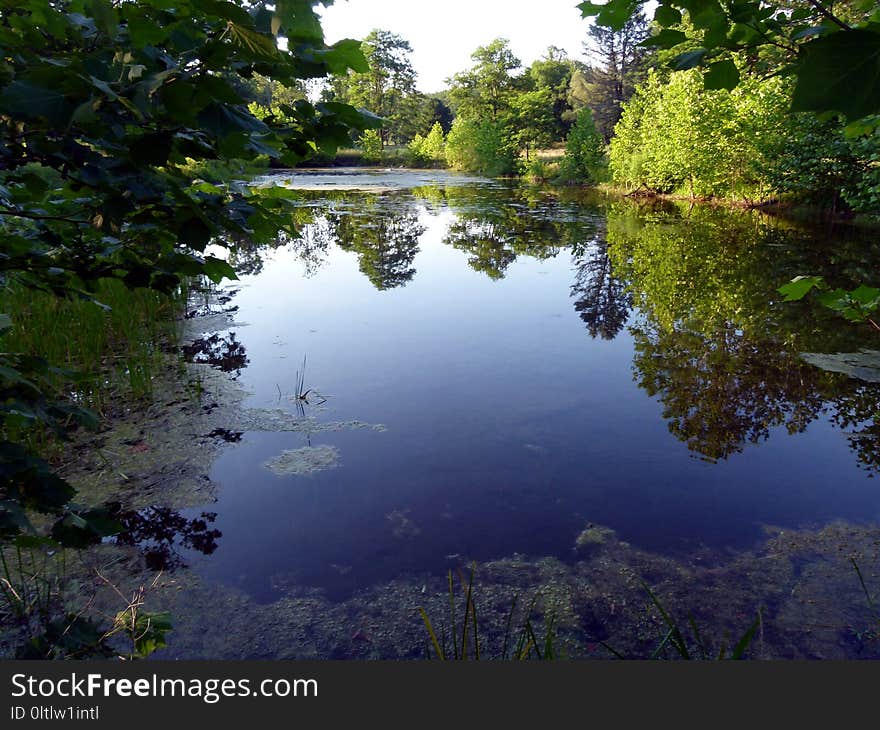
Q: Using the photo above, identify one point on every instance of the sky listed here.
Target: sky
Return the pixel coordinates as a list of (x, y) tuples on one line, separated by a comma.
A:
[(444, 33)]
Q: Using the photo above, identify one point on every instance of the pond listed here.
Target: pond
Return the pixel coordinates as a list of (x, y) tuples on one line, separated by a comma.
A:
[(442, 370)]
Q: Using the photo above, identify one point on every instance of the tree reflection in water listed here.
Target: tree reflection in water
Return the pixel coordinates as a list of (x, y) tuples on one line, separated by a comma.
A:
[(711, 339), (384, 234), (717, 347), (600, 298), (159, 532)]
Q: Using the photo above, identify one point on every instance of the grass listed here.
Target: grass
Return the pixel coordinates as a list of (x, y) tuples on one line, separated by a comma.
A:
[(222, 171), (114, 352), (466, 642), (464, 632), (700, 649)]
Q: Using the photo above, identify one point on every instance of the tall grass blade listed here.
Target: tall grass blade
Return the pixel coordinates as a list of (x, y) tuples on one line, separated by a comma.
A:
[(662, 645), (864, 586), (743, 644), (611, 649), (699, 639), (507, 628), (431, 633), (676, 638), (452, 616)]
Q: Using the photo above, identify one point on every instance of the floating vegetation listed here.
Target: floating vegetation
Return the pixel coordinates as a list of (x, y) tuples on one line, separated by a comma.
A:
[(307, 460), (279, 420)]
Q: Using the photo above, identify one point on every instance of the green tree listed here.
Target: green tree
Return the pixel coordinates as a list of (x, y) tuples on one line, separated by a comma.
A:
[(388, 86), (533, 119), (553, 73), (832, 50), (429, 150), (621, 59), (676, 136), (486, 90), (487, 147)]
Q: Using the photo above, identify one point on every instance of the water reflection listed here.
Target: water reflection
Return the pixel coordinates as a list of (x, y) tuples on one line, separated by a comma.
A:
[(496, 226), (714, 343), (225, 353), (600, 298), (161, 534), (385, 239), (524, 402), (711, 339)]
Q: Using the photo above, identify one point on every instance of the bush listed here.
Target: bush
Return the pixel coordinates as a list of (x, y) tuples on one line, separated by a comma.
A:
[(584, 160), (485, 147), (430, 150), (676, 137), (371, 144)]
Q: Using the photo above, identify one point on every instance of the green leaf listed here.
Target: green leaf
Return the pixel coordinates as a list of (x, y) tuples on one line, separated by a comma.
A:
[(838, 300), (799, 287), (612, 14), (867, 296), (218, 269), (343, 55), (105, 16), (588, 9), (840, 72), (224, 119), (149, 632), (666, 38), (84, 528), (24, 99), (721, 75), (691, 59), (259, 46), (666, 16), (299, 20)]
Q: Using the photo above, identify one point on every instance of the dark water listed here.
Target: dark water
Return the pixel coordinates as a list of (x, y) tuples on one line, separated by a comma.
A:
[(539, 360)]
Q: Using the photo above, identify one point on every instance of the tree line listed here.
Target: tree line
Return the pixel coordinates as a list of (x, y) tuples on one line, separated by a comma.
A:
[(690, 103)]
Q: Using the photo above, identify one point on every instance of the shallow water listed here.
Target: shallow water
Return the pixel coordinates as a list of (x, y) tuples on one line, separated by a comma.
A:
[(491, 368)]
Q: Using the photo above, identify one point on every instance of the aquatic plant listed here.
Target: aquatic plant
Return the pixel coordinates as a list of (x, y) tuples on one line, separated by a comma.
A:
[(468, 646), (466, 642), (698, 648), (872, 633), (42, 621), (306, 460)]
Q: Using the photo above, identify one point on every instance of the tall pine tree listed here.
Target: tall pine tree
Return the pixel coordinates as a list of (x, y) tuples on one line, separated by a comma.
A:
[(619, 64)]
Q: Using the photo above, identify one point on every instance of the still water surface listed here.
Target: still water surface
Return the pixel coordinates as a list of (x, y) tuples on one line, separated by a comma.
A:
[(537, 361)]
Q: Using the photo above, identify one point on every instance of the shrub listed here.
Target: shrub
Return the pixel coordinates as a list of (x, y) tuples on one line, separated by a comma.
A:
[(430, 150), (371, 144), (584, 160), (486, 147)]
